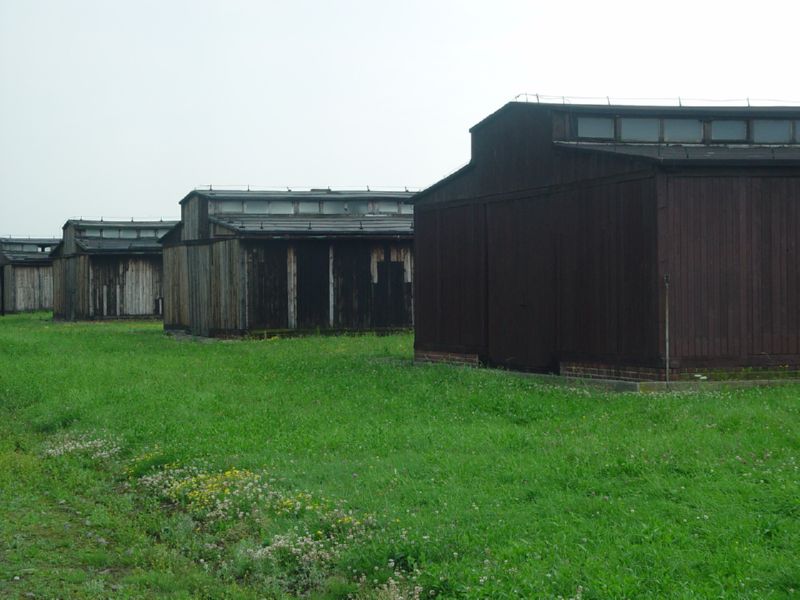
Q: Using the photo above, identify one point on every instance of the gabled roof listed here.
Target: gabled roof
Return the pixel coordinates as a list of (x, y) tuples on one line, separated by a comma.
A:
[(317, 225), (10, 255), (95, 244), (29, 240), (28, 258)]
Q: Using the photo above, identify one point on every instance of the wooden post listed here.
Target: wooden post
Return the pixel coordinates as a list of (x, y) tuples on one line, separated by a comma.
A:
[(330, 287), (666, 327), (291, 286)]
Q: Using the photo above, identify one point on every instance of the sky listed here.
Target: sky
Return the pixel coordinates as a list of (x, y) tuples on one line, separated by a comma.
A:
[(119, 108)]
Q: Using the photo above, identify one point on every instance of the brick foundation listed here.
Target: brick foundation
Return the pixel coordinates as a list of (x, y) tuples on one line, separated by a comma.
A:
[(446, 357), (633, 373)]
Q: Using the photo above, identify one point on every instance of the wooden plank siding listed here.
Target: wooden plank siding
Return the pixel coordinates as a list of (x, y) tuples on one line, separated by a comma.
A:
[(527, 282), (27, 287), (98, 287), (176, 288), (226, 287), (267, 277), (198, 264), (194, 214), (732, 256), (231, 286), (71, 287)]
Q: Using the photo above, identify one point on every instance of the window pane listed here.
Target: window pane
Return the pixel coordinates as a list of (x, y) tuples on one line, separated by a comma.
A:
[(386, 206), (228, 206), (683, 130), (639, 130), (307, 207), (255, 207), (281, 207), (129, 234), (92, 233), (728, 131), (772, 131), (357, 207), (333, 207), (596, 127), (110, 233)]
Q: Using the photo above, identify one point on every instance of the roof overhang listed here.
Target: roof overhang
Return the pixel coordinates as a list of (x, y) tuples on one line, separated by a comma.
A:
[(706, 155)]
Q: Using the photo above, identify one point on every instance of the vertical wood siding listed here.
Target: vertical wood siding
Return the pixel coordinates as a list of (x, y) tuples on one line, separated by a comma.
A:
[(267, 277), (198, 260), (450, 279), (71, 287), (124, 286), (91, 287), (59, 298), (529, 281), (226, 287), (194, 214), (312, 284), (28, 287), (7, 291), (176, 288), (237, 285), (734, 263)]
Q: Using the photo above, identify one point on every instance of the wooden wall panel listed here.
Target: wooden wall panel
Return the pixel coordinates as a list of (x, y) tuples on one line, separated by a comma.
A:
[(7, 290), (734, 266), (176, 288), (124, 286), (30, 287), (266, 279), (226, 286), (450, 292), (70, 288), (59, 299), (198, 260), (352, 281), (313, 284), (571, 277), (194, 214)]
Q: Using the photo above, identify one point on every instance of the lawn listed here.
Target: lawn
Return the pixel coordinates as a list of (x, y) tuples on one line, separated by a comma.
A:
[(137, 465)]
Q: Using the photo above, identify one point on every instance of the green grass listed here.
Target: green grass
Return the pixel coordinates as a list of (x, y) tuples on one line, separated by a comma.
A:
[(488, 484)]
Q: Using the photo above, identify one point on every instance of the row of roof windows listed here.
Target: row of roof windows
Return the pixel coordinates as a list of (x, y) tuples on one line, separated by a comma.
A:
[(124, 233), (688, 131), (18, 247), (311, 207)]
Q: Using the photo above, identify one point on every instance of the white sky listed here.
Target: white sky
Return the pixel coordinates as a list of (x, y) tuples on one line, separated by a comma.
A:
[(118, 109)]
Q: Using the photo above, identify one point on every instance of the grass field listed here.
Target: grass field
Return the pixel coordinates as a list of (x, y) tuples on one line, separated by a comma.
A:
[(133, 465)]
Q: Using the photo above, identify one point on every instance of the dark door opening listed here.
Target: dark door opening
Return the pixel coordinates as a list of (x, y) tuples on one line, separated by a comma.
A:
[(313, 285)]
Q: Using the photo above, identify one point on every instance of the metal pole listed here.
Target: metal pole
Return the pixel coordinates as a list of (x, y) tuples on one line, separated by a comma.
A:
[(666, 326)]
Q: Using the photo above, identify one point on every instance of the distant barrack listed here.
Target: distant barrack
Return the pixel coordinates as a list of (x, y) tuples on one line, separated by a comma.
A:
[(121, 220), (301, 188), (670, 101)]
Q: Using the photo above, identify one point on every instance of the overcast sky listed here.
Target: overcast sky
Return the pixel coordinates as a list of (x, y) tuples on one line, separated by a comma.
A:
[(118, 109)]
